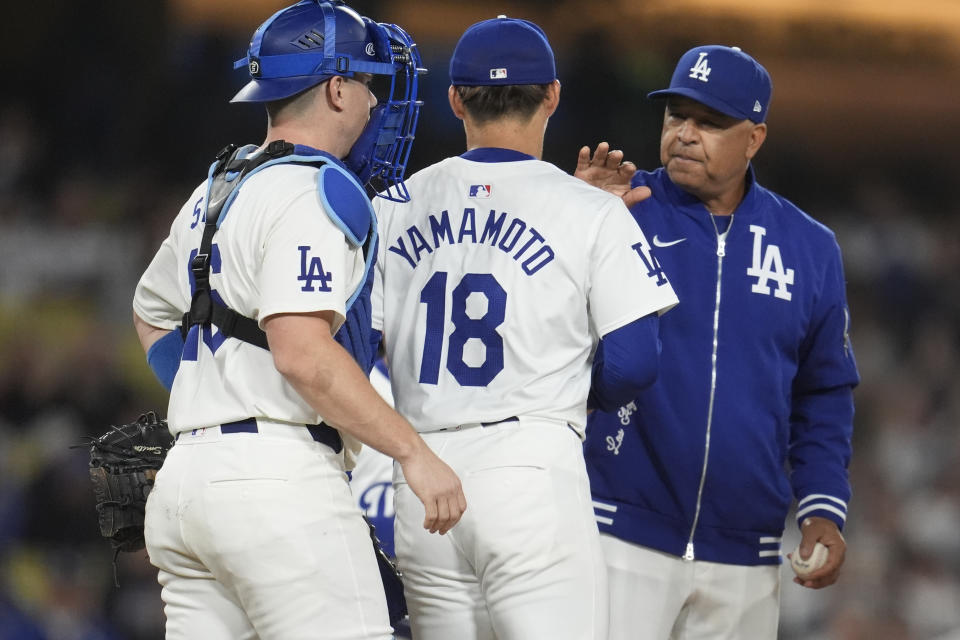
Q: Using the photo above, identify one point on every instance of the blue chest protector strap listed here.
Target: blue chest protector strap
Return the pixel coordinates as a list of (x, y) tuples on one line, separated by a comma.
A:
[(226, 176)]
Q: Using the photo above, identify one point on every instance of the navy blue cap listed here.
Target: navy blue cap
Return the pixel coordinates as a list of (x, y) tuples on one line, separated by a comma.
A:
[(502, 51), (723, 78)]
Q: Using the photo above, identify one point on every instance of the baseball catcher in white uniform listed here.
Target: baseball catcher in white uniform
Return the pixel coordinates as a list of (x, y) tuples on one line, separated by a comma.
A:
[(501, 286), (251, 522)]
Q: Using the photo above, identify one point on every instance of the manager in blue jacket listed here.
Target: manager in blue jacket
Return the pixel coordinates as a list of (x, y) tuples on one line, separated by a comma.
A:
[(753, 407)]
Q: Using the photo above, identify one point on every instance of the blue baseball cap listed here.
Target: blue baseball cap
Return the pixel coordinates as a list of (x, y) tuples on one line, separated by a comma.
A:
[(502, 51), (723, 78)]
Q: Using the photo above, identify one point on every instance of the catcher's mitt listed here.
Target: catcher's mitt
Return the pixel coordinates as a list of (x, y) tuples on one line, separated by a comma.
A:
[(123, 464)]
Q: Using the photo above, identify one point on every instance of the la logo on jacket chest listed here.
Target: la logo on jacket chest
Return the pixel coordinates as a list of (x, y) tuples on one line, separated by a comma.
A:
[(767, 266)]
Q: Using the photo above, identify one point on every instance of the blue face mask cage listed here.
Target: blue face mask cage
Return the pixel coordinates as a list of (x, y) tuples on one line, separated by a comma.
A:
[(379, 156)]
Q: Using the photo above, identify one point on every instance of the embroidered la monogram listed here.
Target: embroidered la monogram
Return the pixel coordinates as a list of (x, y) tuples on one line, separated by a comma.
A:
[(701, 70), (312, 270), (770, 268)]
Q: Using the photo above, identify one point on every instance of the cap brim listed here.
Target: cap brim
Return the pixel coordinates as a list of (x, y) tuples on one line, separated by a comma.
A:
[(500, 82), (276, 88), (703, 98)]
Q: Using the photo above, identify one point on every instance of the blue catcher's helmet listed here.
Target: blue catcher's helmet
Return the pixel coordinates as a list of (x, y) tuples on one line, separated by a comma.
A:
[(307, 43)]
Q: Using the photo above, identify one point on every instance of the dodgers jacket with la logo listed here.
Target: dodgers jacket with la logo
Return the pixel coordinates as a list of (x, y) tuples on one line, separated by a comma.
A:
[(753, 406)]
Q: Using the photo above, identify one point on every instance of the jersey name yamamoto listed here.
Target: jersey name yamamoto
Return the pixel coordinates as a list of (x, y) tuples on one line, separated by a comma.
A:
[(276, 252), (494, 284)]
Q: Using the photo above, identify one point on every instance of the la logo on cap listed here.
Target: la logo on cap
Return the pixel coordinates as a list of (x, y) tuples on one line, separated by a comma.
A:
[(700, 70), (498, 74)]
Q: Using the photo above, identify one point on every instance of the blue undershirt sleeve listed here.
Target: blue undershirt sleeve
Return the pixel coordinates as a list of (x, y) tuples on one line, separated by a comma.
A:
[(627, 360), (164, 357)]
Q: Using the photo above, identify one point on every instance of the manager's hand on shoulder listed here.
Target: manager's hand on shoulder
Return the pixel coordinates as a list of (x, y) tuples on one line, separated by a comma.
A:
[(438, 488), (606, 170)]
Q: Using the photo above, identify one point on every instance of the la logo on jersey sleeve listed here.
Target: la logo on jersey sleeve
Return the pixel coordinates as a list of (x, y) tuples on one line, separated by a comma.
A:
[(311, 271), (654, 270)]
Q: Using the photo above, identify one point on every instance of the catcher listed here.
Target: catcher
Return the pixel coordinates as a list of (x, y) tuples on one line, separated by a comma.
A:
[(251, 523)]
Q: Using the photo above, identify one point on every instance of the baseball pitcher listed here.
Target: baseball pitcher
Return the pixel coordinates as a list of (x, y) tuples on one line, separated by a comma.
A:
[(494, 285)]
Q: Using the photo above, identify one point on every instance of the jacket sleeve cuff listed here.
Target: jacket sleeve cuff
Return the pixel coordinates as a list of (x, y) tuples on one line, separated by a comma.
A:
[(821, 505)]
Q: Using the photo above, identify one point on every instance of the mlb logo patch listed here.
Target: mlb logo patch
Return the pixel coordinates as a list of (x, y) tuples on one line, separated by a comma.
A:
[(479, 191), (498, 74)]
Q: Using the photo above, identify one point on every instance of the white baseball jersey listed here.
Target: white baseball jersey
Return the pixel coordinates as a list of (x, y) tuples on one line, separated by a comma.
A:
[(275, 252), (494, 284)]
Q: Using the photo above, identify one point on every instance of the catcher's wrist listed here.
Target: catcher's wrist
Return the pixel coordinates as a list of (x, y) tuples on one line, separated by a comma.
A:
[(410, 447)]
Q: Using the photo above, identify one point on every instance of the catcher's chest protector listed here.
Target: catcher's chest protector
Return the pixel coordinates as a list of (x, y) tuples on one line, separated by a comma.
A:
[(345, 201)]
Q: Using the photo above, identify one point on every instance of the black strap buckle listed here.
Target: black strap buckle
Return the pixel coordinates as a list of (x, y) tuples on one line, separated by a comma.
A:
[(226, 152), (200, 264), (278, 149)]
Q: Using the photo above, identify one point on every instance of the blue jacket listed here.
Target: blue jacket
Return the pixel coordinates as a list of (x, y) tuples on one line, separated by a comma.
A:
[(753, 406)]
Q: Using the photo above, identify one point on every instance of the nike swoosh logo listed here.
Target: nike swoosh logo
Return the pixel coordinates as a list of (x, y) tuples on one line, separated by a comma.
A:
[(657, 242)]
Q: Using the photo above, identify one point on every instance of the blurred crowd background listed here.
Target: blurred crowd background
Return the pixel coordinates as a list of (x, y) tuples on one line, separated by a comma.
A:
[(111, 112)]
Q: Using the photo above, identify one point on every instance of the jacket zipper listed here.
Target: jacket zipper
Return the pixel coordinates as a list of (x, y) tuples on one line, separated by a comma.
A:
[(721, 252)]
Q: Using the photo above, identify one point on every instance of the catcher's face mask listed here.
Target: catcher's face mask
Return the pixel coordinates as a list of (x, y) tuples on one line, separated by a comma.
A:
[(311, 41)]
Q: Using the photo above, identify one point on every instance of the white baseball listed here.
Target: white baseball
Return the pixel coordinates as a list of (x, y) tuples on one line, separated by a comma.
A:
[(817, 559)]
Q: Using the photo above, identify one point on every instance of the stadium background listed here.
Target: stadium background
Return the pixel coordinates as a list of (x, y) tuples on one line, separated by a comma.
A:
[(111, 111)]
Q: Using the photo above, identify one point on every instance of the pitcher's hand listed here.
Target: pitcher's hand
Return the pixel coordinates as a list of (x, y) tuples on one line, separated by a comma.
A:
[(437, 487)]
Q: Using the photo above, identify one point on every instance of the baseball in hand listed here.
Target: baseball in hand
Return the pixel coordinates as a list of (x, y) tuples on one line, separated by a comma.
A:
[(817, 559)]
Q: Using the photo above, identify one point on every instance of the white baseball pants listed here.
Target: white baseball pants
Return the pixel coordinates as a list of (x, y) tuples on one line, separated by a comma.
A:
[(658, 596), (524, 562), (256, 535)]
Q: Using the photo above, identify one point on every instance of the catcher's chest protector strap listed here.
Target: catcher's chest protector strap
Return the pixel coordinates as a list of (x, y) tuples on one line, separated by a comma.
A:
[(227, 175)]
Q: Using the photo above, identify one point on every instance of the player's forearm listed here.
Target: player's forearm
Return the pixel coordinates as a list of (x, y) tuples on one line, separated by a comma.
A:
[(343, 395), (328, 378)]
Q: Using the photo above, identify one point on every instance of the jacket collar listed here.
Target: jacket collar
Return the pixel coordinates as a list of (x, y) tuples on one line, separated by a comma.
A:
[(692, 206)]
